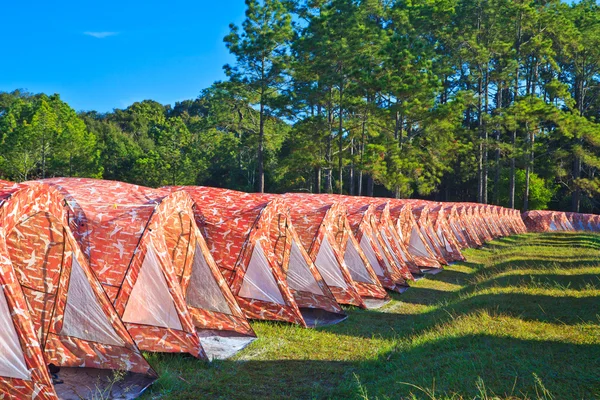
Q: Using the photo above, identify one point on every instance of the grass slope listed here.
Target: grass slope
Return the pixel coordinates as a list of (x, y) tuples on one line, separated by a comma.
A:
[(520, 319)]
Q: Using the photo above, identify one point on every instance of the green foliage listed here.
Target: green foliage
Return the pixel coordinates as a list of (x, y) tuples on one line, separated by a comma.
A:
[(518, 320), (541, 192), (442, 99), (43, 137)]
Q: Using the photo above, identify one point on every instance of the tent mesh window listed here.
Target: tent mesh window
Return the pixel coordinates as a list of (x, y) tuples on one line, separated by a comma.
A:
[(203, 290), (416, 244), (367, 248), (357, 268), (259, 282), (12, 362), (83, 315), (150, 302), (299, 276), (329, 267)]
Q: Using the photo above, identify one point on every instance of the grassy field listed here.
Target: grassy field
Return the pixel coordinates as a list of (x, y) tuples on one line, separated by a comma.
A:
[(520, 319)]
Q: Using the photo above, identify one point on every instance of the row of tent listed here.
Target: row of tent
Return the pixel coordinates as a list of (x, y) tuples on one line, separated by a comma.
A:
[(93, 272), (551, 221)]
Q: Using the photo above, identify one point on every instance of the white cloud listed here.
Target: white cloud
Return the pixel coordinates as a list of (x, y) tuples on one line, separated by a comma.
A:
[(100, 35)]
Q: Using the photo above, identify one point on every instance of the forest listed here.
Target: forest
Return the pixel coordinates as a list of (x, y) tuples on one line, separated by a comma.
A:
[(492, 101)]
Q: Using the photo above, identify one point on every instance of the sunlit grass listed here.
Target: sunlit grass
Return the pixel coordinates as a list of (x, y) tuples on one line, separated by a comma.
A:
[(519, 319)]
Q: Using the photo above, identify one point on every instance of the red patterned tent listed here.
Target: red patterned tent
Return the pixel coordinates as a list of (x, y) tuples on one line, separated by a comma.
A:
[(325, 232), (540, 221), (456, 227), (390, 269), (420, 210), (154, 266), (388, 231), (409, 232), (254, 243), (52, 308), (466, 218), (441, 227)]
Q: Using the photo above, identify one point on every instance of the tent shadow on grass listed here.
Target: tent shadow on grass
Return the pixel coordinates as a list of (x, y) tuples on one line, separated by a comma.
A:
[(540, 308), (418, 342), (554, 281), (539, 264), (453, 365)]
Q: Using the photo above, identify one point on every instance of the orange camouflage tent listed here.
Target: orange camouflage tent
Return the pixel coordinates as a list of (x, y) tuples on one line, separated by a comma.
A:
[(155, 266), (420, 210), (254, 243), (364, 217), (53, 310), (412, 237), (325, 232), (441, 228), (546, 221)]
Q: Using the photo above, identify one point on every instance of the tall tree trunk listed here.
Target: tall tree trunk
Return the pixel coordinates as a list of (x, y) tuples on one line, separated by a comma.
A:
[(485, 134), (480, 132), (370, 185), (328, 150), (261, 140), (579, 98), (318, 180), (362, 152), (497, 175), (341, 138), (511, 185), (529, 170), (516, 95), (351, 177)]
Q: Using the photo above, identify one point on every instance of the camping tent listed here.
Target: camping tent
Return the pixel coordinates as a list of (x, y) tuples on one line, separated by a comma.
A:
[(52, 308), (441, 227), (325, 232), (388, 231), (390, 269), (155, 268), (410, 233), (420, 210), (258, 250)]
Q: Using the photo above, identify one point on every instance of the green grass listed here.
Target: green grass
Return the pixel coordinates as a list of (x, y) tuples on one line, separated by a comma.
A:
[(519, 320)]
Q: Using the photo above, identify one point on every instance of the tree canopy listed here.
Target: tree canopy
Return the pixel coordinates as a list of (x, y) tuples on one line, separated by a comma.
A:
[(494, 101)]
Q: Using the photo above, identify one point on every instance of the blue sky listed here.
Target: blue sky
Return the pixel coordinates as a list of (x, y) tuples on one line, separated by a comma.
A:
[(100, 55)]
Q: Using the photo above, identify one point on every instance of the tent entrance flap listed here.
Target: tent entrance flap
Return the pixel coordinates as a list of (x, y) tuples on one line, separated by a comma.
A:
[(299, 276), (83, 315), (12, 361), (259, 282), (355, 264), (203, 290), (329, 267), (416, 244), (367, 248), (150, 302)]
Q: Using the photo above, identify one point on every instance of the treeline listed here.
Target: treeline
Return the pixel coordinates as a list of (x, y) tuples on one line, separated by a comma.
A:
[(494, 101)]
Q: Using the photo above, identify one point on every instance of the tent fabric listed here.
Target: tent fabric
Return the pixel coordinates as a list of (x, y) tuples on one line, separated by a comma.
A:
[(552, 221), (145, 242), (421, 212), (191, 258), (150, 302), (122, 229), (299, 276), (320, 220), (58, 309), (361, 212), (408, 229), (233, 223), (388, 231), (259, 283), (441, 225), (330, 268)]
